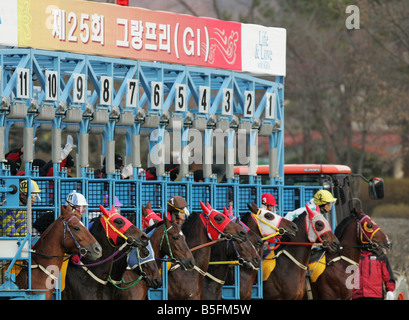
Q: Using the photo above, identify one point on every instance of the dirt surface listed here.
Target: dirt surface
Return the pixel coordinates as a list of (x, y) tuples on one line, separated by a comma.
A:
[(398, 232)]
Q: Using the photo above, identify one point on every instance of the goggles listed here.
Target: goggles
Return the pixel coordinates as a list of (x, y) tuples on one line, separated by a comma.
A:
[(79, 209), (184, 210)]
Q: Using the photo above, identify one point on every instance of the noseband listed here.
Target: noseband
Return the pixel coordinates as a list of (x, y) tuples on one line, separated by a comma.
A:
[(81, 251)]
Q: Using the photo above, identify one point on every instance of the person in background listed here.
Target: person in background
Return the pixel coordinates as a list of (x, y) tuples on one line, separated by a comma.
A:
[(117, 203), (198, 175), (373, 272), (14, 221), (101, 173)]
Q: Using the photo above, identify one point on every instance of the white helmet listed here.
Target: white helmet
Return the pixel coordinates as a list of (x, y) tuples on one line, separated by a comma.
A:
[(76, 199)]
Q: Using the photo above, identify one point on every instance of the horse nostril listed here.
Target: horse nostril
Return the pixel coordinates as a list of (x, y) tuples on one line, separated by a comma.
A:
[(256, 262), (97, 249), (243, 234), (294, 227)]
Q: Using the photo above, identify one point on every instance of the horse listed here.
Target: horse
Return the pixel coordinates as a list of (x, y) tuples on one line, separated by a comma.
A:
[(201, 230), (287, 280), (356, 232), (167, 239), (67, 234), (248, 272), (116, 234)]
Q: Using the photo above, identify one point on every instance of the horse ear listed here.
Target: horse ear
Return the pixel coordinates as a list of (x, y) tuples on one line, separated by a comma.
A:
[(225, 212), (104, 211), (309, 211), (253, 207), (149, 205), (231, 210), (204, 208), (64, 211), (208, 205), (144, 211)]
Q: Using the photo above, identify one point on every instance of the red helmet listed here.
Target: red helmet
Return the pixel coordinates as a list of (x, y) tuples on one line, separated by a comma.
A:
[(268, 199)]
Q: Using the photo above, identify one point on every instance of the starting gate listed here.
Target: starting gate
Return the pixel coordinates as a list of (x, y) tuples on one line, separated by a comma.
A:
[(114, 98)]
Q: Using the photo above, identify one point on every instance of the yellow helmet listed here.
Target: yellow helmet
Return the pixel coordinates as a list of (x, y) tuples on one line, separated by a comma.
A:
[(323, 197), (34, 187)]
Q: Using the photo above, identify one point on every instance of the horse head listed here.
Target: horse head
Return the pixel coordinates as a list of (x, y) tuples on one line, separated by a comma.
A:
[(173, 243), (270, 223), (247, 253), (118, 227), (80, 238), (371, 235), (218, 225), (319, 229)]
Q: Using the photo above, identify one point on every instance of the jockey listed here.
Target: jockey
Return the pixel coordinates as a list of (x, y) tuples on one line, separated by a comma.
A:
[(322, 199), (177, 209), (77, 202), (14, 221), (268, 202), (117, 203)]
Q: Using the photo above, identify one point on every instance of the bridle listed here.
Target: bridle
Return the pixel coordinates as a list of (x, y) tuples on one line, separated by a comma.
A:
[(365, 234), (207, 220), (265, 235), (82, 251)]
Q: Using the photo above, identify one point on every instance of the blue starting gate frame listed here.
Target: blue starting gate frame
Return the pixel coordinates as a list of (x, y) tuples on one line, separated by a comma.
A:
[(92, 95)]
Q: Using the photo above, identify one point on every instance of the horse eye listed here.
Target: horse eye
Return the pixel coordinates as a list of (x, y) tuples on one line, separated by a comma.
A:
[(175, 238), (369, 225), (219, 218), (119, 223), (269, 216), (319, 225), (76, 228)]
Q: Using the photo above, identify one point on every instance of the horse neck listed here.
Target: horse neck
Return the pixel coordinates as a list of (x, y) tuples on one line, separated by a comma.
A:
[(51, 244), (198, 236), (155, 239), (98, 231), (350, 242), (300, 252)]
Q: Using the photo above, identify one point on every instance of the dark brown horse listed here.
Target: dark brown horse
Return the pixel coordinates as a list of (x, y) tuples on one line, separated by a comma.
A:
[(248, 271), (116, 234), (287, 280), (356, 232), (201, 229), (167, 239), (67, 234), (270, 224)]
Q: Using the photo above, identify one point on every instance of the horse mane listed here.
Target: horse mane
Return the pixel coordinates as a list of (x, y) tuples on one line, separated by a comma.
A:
[(298, 221), (245, 217), (188, 224), (339, 230)]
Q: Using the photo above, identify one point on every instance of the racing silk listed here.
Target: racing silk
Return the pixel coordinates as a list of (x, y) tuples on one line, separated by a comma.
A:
[(294, 214), (13, 223), (373, 271)]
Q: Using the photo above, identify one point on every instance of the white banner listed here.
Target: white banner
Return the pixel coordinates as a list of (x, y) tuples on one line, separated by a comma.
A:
[(8, 23), (263, 49)]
